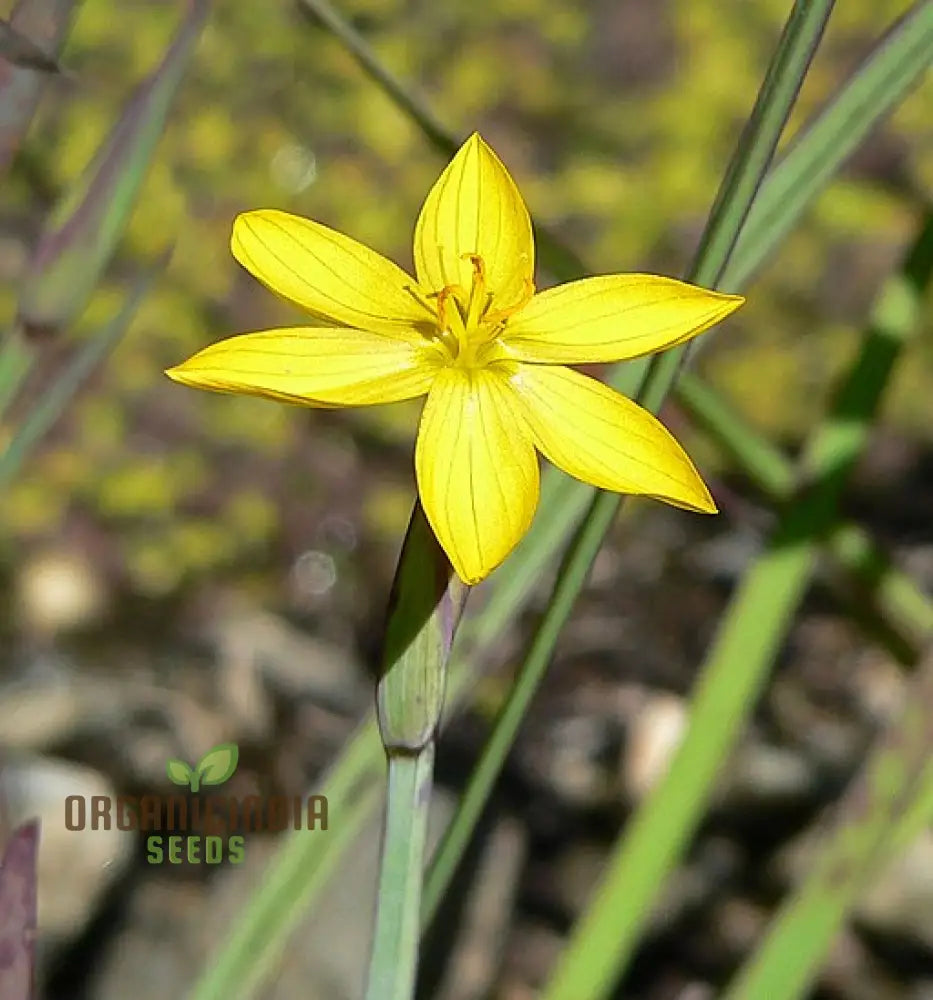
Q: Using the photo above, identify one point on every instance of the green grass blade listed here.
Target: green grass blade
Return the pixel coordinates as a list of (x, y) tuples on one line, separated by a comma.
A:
[(894, 604), (84, 229), (895, 65), (82, 235), (45, 23), (746, 172), (605, 937), (754, 454), (877, 810), (434, 129), (778, 94), (902, 614), (745, 646), (51, 404)]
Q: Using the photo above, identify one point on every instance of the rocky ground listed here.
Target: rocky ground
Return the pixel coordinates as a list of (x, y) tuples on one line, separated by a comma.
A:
[(101, 693)]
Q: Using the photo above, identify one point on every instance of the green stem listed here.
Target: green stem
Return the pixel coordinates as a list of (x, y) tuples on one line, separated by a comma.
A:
[(896, 65), (785, 75), (394, 956), (425, 607), (745, 174)]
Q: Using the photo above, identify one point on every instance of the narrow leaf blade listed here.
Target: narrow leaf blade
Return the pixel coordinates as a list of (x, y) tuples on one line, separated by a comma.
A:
[(19, 50), (51, 404), (45, 25), (895, 65), (890, 797), (85, 228)]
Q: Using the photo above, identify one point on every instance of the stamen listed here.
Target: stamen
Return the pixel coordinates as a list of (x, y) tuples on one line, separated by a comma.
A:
[(420, 296), (501, 315), (465, 324), (442, 296)]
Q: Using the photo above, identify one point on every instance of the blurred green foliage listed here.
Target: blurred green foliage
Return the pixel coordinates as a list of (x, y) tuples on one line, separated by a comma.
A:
[(587, 106)]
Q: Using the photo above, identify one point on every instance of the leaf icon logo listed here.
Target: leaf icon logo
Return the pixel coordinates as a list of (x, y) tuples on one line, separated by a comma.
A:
[(214, 768), (218, 764), (179, 773)]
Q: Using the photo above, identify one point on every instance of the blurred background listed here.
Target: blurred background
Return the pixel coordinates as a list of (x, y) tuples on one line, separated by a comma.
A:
[(180, 568)]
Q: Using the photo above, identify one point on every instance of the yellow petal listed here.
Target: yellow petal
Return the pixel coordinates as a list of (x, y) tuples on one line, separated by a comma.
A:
[(596, 435), (335, 278), (475, 208), (477, 469), (613, 317), (313, 366)]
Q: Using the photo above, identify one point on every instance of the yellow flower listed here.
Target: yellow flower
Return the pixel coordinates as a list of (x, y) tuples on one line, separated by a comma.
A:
[(489, 351)]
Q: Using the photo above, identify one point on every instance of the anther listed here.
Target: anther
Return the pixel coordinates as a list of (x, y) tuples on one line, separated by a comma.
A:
[(442, 296), (479, 265)]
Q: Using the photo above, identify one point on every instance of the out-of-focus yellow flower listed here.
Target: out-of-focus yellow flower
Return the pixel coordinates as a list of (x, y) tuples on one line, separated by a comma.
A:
[(471, 332)]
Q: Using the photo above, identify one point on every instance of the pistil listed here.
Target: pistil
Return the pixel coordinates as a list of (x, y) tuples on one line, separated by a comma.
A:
[(479, 299)]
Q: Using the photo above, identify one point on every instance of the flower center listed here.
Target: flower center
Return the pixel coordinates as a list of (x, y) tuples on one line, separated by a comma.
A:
[(466, 325)]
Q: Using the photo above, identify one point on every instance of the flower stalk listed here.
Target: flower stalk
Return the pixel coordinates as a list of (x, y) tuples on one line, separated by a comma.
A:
[(425, 608)]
